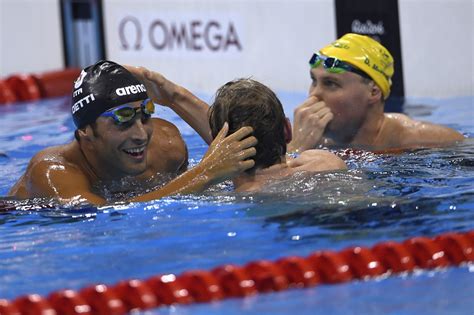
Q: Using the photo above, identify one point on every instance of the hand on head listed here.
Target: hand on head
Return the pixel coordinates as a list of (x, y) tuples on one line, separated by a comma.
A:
[(159, 89), (227, 156)]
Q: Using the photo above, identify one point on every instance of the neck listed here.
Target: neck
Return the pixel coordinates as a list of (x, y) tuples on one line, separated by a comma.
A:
[(243, 180), (90, 165), (249, 182), (371, 128)]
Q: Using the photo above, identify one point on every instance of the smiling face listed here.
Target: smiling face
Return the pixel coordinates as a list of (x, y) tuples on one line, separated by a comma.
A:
[(122, 149), (348, 97)]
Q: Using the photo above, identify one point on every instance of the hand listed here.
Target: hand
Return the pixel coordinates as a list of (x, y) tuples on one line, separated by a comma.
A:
[(227, 156), (159, 89), (310, 120)]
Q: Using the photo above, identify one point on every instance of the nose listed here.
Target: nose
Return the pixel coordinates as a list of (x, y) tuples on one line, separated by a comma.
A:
[(315, 90), (139, 132)]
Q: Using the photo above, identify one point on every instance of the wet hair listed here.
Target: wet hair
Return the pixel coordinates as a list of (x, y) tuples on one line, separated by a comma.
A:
[(246, 102), (100, 87)]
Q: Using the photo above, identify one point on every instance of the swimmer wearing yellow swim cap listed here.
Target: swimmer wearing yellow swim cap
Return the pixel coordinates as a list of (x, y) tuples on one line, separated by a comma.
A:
[(365, 54), (351, 79)]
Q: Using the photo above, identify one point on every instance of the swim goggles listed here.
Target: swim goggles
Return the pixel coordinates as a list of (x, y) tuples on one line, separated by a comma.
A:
[(334, 65), (125, 113)]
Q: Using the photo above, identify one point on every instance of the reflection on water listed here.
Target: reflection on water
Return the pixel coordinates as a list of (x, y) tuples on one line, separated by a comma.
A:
[(375, 187), (45, 246)]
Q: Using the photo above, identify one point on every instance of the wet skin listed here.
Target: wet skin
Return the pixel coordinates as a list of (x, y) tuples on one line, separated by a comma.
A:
[(138, 150), (347, 97), (343, 110), (141, 150)]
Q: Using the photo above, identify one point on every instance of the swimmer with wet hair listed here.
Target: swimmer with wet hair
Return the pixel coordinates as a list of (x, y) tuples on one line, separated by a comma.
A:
[(239, 103), (350, 81), (121, 150), (247, 102)]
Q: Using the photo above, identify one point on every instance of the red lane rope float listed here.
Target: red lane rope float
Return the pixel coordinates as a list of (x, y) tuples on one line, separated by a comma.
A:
[(26, 87), (57, 83), (6, 93), (258, 276)]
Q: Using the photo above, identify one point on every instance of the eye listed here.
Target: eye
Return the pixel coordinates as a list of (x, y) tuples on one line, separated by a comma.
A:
[(330, 83), (125, 125), (125, 113)]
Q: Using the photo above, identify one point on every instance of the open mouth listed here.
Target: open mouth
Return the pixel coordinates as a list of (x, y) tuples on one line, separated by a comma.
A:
[(135, 152)]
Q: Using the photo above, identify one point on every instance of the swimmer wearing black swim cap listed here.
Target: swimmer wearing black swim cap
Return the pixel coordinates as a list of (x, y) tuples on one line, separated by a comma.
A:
[(101, 87), (121, 152)]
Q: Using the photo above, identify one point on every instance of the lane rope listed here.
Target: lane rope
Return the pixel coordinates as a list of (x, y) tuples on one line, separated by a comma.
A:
[(226, 281), (30, 87)]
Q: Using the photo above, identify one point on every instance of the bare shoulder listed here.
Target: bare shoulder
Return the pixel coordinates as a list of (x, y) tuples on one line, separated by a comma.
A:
[(49, 156), (317, 161), (413, 132), (165, 130), (49, 172), (165, 125), (168, 149)]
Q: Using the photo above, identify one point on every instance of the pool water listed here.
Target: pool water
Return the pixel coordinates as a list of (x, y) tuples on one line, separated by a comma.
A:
[(422, 192)]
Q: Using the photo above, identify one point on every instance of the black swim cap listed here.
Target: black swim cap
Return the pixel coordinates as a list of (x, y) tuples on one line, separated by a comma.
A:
[(101, 87)]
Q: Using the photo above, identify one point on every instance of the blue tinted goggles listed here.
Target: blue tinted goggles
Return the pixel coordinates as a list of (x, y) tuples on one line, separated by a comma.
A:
[(125, 113)]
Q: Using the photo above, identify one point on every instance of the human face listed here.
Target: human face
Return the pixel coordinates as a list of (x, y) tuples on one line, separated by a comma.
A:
[(347, 96), (122, 148)]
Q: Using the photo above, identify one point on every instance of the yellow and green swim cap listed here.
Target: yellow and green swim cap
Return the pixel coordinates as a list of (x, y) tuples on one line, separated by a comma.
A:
[(366, 54)]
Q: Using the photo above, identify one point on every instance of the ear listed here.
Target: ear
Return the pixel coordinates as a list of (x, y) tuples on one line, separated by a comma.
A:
[(375, 92), (86, 133), (287, 130)]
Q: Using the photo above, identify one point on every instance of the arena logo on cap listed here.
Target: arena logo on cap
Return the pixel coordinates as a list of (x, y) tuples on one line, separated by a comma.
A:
[(131, 89)]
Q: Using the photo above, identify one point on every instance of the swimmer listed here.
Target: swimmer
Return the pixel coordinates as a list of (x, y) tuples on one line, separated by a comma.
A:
[(351, 79), (117, 142), (243, 102), (246, 102)]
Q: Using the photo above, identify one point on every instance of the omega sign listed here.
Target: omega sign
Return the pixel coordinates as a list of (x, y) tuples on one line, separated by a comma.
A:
[(189, 35)]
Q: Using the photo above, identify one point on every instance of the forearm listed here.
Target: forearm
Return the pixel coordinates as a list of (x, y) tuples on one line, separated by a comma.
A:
[(193, 111), (225, 158), (194, 180)]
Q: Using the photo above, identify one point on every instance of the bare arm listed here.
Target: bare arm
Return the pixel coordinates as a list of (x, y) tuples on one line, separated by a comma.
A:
[(225, 158), (189, 107), (413, 133), (430, 134), (66, 184)]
